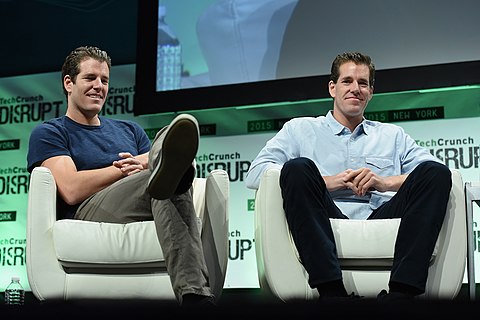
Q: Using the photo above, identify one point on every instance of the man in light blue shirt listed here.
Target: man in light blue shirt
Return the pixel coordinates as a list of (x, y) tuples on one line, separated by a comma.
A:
[(344, 166)]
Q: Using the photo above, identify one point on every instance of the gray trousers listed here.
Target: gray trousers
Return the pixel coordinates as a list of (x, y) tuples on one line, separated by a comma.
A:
[(128, 200)]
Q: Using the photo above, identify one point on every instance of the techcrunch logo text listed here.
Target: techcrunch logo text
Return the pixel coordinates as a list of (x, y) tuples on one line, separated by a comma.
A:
[(230, 162), (14, 180), (27, 109), (12, 252), (238, 247), (19, 109), (457, 153)]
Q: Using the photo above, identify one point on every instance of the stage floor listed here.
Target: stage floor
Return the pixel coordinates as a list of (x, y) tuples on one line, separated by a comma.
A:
[(242, 304)]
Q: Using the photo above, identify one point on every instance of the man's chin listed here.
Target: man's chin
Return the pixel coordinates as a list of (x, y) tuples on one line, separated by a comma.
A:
[(96, 106), (356, 111), (93, 109)]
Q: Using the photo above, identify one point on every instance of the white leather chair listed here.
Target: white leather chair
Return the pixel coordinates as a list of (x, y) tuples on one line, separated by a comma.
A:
[(73, 259), (365, 249)]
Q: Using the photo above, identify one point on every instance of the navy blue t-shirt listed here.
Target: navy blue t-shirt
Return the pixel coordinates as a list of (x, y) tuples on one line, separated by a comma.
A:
[(90, 147)]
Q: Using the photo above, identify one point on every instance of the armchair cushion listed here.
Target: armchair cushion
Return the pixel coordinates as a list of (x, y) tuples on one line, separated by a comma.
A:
[(365, 239), (107, 244)]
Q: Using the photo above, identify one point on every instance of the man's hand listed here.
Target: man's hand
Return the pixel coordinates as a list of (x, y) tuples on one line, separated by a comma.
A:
[(129, 164), (339, 181), (362, 180)]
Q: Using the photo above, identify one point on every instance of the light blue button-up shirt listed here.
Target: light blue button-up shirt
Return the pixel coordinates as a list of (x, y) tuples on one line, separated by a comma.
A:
[(384, 148)]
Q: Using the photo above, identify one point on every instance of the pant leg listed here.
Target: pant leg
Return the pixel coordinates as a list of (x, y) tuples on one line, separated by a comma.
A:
[(421, 204), (308, 207), (124, 201), (179, 235)]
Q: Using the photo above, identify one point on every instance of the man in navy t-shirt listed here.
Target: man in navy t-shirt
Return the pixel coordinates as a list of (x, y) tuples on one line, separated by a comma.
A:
[(109, 164)]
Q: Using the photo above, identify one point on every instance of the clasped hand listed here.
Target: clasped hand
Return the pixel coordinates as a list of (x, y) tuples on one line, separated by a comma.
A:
[(130, 164), (360, 181)]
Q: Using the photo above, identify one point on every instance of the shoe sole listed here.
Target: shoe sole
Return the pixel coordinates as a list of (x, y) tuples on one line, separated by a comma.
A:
[(178, 151)]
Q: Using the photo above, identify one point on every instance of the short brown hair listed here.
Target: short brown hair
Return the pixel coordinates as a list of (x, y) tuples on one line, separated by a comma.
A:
[(357, 58)]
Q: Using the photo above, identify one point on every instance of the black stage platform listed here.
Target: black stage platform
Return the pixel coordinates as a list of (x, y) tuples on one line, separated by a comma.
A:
[(242, 304)]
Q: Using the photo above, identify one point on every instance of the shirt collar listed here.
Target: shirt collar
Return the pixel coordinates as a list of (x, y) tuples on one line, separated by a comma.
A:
[(337, 127)]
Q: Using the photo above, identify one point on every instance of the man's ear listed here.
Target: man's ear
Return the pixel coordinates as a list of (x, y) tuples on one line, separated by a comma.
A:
[(331, 88), (67, 83)]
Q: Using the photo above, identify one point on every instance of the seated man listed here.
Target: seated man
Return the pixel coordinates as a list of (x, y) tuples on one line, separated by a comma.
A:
[(344, 166), (106, 171)]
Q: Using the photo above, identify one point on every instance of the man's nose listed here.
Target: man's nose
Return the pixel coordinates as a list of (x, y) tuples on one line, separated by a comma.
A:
[(98, 83), (355, 87)]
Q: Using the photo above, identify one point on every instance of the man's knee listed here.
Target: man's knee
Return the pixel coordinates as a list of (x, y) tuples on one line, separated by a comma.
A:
[(435, 170), (300, 171), (297, 165)]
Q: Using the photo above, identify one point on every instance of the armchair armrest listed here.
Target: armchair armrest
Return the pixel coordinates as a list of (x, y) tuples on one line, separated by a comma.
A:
[(215, 228), (41, 215)]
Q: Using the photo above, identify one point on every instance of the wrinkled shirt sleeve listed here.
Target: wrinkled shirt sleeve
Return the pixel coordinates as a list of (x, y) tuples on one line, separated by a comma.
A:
[(278, 150)]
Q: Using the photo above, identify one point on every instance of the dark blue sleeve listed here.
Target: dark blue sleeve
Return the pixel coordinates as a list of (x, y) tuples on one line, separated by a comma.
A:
[(46, 141), (143, 141)]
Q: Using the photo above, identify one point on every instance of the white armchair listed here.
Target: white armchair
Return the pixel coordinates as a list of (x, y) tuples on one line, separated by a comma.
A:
[(72, 259), (365, 248)]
